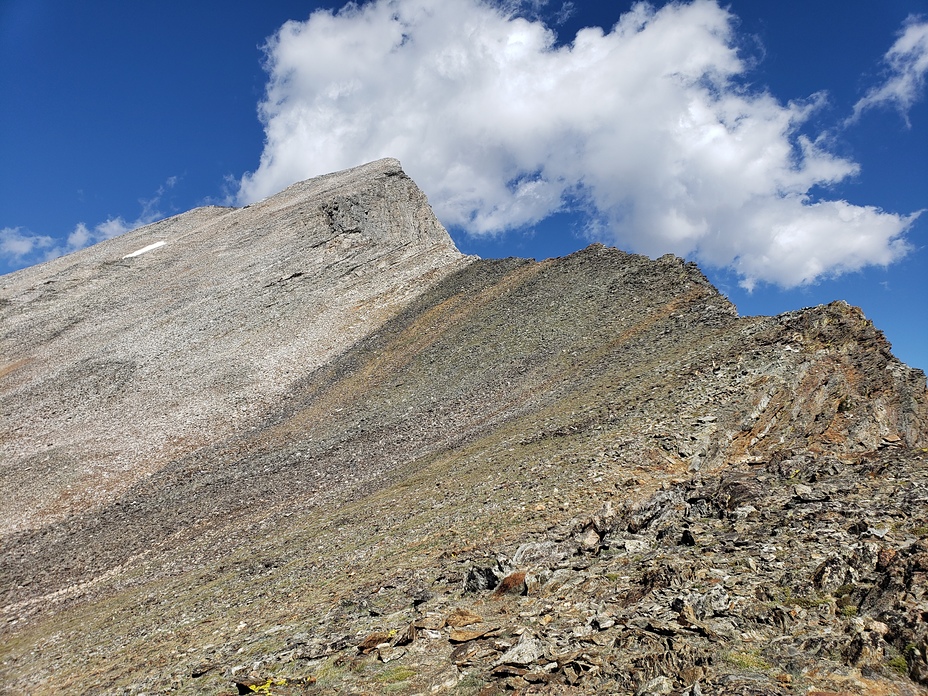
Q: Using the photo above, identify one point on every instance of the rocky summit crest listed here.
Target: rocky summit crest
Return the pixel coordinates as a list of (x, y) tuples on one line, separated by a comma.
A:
[(306, 446)]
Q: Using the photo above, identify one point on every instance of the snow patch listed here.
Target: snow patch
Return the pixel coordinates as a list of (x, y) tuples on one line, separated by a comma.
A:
[(145, 249)]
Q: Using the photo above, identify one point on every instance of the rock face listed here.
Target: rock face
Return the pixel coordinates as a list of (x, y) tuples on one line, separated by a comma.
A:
[(308, 447)]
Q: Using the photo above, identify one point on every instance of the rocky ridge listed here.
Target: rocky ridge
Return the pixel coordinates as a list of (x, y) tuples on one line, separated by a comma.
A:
[(580, 475)]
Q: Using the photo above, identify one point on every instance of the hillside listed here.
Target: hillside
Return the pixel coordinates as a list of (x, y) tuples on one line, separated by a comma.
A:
[(308, 447)]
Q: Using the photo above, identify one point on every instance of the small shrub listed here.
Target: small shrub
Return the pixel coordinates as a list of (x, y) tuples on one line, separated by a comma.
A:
[(747, 660), (845, 589), (899, 665), (400, 673)]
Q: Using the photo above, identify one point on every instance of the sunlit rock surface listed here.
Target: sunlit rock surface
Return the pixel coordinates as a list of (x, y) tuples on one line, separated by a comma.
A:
[(114, 362), (308, 447)]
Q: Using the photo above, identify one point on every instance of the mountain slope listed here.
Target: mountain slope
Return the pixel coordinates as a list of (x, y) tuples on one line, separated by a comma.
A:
[(603, 424), (114, 365)]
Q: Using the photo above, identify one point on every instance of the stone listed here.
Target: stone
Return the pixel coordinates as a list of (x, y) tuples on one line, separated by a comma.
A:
[(525, 652), (558, 579), (832, 574), (866, 650), (463, 654), (480, 579), (891, 441), (460, 617), (885, 558), (534, 581), (405, 637), (539, 554), (432, 621), (461, 635), (589, 539), (508, 670), (539, 678), (658, 685), (373, 641), (806, 494), (389, 653), (512, 584)]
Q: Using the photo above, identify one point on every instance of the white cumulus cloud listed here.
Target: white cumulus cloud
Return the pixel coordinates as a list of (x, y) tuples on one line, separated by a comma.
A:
[(647, 128)]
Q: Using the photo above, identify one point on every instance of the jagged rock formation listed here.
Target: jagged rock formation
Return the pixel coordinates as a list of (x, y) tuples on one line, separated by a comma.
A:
[(580, 475)]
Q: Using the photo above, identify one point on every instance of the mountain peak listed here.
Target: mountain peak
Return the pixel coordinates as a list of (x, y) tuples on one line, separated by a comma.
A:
[(376, 201), (129, 353)]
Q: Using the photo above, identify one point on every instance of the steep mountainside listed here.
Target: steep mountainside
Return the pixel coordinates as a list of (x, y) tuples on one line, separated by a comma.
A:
[(308, 447), (114, 365)]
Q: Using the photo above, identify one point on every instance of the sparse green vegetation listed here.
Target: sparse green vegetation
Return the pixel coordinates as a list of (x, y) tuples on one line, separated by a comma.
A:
[(899, 665), (845, 590), (330, 671), (399, 673), (747, 660)]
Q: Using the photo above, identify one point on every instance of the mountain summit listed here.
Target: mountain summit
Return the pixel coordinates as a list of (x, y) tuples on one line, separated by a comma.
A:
[(306, 446)]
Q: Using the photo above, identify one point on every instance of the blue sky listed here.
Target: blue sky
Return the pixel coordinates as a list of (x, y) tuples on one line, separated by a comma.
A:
[(783, 146)]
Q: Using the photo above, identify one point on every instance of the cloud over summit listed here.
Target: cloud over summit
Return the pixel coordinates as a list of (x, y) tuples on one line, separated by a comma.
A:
[(647, 127)]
